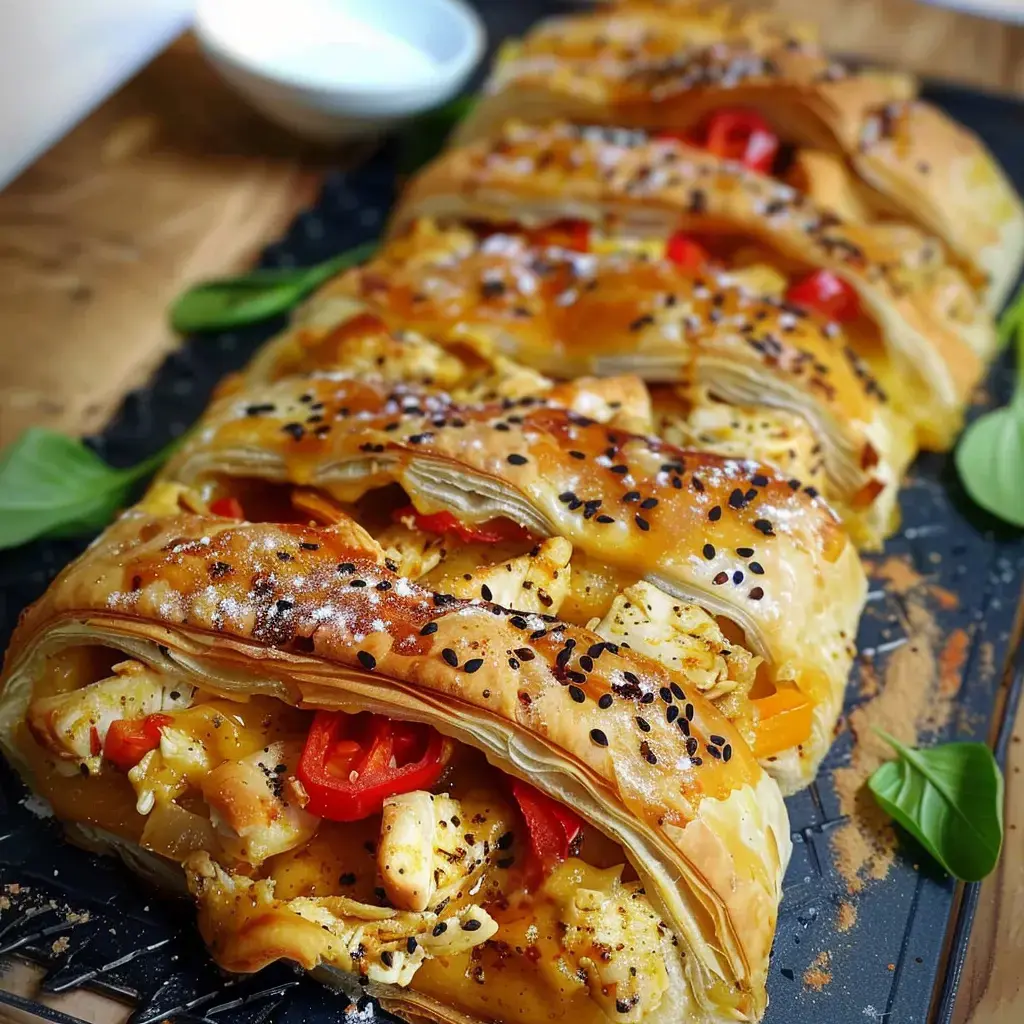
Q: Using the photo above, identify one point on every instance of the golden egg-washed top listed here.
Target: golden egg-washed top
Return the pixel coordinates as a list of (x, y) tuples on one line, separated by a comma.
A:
[(568, 314), (907, 158), (934, 331), (731, 535), (311, 616)]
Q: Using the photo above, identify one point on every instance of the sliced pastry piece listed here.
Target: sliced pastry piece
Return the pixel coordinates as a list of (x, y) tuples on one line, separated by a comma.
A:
[(906, 311), (568, 312), (858, 140), (470, 814), (750, 546)]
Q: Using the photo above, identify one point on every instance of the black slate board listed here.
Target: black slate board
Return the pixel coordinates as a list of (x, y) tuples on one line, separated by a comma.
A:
[(92, 924)]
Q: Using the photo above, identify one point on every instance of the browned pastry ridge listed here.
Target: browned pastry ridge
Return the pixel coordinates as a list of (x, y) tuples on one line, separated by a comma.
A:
[(921, 331), (210, 612), (728, 535), (865, 146), (751, 375)]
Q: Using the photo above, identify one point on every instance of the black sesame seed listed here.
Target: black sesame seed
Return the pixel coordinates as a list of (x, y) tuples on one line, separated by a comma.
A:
[(678, 691), (598, 737), (709, 551), (513, 664), (283, 556), (410, 944), (605, 702), (691, 746), (642, 523), (451, 657), (715, 514), (688, 711), (473, 665), (696, 762), (307, 546), (726, 752), (538, 633), (648, 502), (759, 480), (647, 698), (357, 583), (285, 605), (566, 496), (471, 925), (576, 677), (485, 592), (672, 713), (384, 585), (586, 663), (621, 469), (430, 627), (713, 751), (367, 660), (764, 526), (631, 496), (604, 519), (644, 725), (716, 739), (504, 841), (518, 460), (440, 928), (630, 677), (346, 567), (519, 622), (577, 694), (649, 756), (524, 654), (387, 958), (756, 594), (683, 726), (736, 499), (756, 568), (737, 577), (594, 651), (666, 694), (296, 430), (577, 455)]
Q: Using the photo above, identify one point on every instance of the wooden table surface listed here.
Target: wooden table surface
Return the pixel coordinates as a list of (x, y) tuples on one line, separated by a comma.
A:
[(174, 180)]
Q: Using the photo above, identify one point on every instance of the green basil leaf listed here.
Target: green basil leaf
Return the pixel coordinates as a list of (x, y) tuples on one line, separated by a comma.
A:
[(990, 456), (427, 135), (54, 486), (950, 798), (236, 301)]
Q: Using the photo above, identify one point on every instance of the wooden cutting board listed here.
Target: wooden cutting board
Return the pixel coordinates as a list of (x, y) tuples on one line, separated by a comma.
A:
[(173, 180)]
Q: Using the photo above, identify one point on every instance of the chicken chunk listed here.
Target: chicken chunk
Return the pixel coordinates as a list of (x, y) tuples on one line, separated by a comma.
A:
[(537, 581), (434, 848), (251, 808), (73, 726), (681, 636), (612, 937), (248, 927)]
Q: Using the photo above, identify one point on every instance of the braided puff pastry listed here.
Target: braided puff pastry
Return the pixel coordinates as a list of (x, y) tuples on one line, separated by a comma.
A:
[(754, 377), (227, 635), (863, 143), (917, 325), (733, 538)]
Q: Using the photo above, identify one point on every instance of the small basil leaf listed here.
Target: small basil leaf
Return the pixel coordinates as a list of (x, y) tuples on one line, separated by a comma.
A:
[(54, 486), (990, 456), (427, 135), (950, 798), (259, 295)]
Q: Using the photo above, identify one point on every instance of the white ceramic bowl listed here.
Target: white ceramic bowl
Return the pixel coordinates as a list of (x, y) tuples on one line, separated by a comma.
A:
[(336, 69)]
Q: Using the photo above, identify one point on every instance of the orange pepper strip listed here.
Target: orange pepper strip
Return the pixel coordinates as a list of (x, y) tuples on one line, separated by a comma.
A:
[(784, 721)]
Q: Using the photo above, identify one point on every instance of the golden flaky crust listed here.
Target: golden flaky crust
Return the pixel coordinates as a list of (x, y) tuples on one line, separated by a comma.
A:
[(569, 314), (906, 158), (935, 335), (730, 535), (314, 618)]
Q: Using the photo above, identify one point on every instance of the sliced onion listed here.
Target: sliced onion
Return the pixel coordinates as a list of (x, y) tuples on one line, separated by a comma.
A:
[(174, 832)]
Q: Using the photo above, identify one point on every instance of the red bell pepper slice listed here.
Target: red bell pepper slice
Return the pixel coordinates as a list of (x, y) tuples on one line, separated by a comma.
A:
[(130, 739), (229, 508), (823, 292), (567, 234), (444, 522), (740, 135), (552, 828), (352, 763), (686, 253)]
